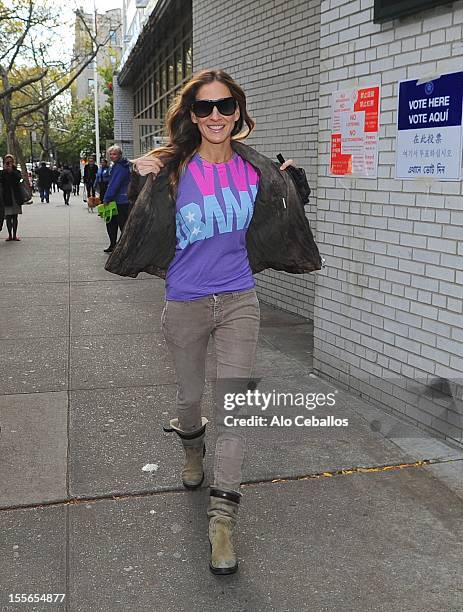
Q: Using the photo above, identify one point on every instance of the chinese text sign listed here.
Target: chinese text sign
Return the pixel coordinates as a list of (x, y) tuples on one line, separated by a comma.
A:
[(429, 131)]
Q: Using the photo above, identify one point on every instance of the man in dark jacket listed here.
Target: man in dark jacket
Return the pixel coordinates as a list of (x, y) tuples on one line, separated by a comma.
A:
[(45, 180), (90, 172)]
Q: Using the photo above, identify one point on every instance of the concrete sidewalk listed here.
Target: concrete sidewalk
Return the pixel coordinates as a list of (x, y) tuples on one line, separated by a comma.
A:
[(358, 518)]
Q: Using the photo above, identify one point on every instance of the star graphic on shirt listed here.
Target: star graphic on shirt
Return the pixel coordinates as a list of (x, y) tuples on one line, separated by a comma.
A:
[(190, 217), (196, 231)]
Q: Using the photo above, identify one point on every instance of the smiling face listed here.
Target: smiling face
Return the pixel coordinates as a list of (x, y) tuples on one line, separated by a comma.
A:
[(216, 128)]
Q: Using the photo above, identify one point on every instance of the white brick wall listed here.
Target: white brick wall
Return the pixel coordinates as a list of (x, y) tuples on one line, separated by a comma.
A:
[(272, 49), (389, 307)]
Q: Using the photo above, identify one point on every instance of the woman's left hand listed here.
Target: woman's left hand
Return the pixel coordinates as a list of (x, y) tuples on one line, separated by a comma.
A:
[(287, 163)]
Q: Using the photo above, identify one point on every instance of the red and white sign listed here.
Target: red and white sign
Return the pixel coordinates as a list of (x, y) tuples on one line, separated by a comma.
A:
[(354, 132)]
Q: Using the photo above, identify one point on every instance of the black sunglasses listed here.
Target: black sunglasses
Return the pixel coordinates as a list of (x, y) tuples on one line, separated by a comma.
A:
[(203, 108)]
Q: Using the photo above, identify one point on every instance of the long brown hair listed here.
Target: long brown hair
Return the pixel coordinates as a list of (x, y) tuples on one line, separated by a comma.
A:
[(184, 137)]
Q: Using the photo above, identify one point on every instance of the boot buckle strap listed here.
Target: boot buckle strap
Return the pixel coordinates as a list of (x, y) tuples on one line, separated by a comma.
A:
[(233, 496), (172, 427)]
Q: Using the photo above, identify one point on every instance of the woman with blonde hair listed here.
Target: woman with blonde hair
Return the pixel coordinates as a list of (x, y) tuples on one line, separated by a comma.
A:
[(116, 191), (212, 212)]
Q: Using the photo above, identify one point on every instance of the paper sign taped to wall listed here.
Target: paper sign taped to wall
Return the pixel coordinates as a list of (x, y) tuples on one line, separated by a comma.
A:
[(354, 132)]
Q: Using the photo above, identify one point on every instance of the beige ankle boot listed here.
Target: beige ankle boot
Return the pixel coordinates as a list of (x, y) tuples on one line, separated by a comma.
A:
[(222, 513), (193, 444)]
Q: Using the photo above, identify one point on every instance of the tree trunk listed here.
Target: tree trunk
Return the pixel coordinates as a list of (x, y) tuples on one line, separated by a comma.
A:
[(15, 149), (21, 160), (12, 143), (46, 131)]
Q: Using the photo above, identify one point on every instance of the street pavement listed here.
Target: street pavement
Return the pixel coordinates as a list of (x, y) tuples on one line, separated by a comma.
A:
[(364, 517)]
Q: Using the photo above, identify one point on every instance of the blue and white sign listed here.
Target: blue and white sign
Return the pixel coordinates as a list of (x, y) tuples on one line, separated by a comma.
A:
[(429, 128)]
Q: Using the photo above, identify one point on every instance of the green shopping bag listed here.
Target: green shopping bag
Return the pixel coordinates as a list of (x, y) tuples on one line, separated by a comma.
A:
[(107, 211)]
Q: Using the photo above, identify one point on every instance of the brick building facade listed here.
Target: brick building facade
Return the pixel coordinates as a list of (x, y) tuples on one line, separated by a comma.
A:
[(272, 50), (388, 309)]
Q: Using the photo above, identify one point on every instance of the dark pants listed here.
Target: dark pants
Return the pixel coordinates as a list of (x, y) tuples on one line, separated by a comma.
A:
[(66, 196), (117, 222), (44, 193), (90, 190), (76, 188), (12, 225), (102, 187)]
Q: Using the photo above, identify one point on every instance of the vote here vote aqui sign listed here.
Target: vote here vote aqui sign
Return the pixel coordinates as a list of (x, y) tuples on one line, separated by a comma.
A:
[(429, 128)]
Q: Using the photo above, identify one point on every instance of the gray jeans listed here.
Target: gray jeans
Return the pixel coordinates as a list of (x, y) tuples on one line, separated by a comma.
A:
[(233, 321)]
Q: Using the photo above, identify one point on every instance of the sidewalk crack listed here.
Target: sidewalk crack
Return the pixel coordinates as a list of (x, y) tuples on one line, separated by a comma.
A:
[(75, 501)]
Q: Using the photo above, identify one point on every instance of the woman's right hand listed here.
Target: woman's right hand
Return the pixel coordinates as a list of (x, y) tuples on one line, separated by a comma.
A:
[(148, 165)]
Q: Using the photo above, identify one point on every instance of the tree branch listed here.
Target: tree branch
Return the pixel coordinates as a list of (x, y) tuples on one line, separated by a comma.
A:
[(64, 87), (12, 88), (22, 38)]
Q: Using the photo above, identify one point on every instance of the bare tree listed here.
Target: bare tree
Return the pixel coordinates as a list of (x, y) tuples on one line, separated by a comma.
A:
[(26, 67)]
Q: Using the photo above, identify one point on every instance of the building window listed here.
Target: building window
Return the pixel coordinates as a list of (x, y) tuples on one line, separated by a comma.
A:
[(113, 37), (91, 84), (385, 10), (169, 68)]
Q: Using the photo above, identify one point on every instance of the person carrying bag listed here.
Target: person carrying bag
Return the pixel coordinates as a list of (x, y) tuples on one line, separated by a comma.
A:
[(12, 196), (65, 183), (116, 193)]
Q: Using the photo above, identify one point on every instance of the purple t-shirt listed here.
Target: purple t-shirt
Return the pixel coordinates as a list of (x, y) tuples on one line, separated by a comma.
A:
[(214, 208)]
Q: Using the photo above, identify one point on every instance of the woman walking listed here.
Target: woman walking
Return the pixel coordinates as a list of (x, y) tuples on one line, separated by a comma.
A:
[(213, 212), (66, 181), (77, 177), (116, 191), (12, 200)]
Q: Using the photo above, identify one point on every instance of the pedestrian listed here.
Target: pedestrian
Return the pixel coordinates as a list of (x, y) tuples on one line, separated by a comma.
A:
[(117, 191), (217, 212), (65, 182), (77, 176), (45, 181), (90, 172), (55, 178), (102, 178), (10, 178)]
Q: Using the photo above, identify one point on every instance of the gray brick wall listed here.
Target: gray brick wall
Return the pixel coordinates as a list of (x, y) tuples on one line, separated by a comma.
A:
[(389, 306), (272, 49), (123, 117)]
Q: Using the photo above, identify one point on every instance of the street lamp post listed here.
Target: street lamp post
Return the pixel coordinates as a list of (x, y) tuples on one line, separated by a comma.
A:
[(95, 92), (32, 153)]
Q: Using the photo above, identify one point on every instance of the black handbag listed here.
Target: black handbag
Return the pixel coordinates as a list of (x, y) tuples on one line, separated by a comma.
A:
[(25, 193)]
